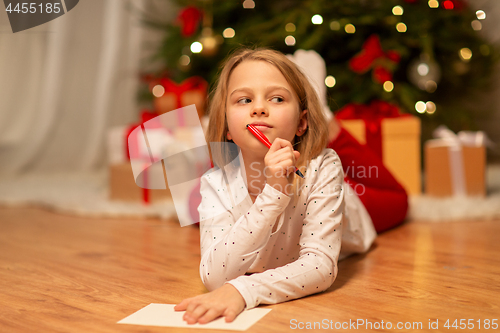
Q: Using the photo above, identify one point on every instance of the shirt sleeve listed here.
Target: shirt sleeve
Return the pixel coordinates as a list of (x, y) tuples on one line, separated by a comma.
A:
[(320, 242), (229, 244)]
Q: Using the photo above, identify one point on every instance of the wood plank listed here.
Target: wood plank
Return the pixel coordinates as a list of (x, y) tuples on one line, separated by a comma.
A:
[(62, 273)]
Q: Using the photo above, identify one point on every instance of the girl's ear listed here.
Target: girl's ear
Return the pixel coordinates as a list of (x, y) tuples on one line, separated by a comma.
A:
[(228, 135), (302, 127)]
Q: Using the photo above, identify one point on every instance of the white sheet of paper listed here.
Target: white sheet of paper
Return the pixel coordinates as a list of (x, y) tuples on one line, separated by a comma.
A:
[(165, 315)]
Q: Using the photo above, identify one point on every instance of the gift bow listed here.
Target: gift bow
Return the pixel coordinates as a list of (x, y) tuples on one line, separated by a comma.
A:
[(190, 84), (372, 115), (465, 138), (455, 142), (189, 19), (372, 50)]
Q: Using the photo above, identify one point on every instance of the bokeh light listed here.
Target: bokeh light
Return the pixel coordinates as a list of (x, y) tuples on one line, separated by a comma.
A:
[(317, 19), (350, 28), (248, 4), (476, 25), (158, 90), (290, 40), (401, 27), (465, 54), (290, 27), (388, 86), (433, 4), (420, 107), (196, 47), (430, 107), (335, 25), (397, 10), (228, 33), (330, 81)]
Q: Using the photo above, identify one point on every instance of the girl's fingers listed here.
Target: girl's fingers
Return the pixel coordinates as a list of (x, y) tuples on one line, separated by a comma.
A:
[(193, 316), (182, 305), (209, 316), (278, 144), (230, 315)]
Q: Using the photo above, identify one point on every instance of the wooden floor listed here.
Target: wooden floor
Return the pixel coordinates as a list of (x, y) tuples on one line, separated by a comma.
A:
[(70, 274)]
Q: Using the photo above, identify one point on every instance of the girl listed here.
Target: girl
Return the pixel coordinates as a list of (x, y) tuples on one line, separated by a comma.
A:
[(267, 235)]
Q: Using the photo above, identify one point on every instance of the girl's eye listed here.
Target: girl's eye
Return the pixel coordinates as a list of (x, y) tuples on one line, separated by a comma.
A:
[(247, 100), (277, 99)]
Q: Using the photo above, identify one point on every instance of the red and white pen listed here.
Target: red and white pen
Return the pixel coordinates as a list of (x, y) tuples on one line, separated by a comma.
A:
[(262, 138)]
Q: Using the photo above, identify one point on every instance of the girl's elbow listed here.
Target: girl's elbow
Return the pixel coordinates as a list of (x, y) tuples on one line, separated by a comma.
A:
[(210, 282)]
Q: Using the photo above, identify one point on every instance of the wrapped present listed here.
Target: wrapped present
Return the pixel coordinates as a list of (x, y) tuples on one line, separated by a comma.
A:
[(122, 185), (393, 136), (455, 165), (191, 91)]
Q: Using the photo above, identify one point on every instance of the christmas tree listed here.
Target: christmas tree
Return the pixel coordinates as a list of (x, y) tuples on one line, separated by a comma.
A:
[(427, 57)]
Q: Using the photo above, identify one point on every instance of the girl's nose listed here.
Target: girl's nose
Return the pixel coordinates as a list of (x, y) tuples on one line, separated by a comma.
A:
[(259, 109)]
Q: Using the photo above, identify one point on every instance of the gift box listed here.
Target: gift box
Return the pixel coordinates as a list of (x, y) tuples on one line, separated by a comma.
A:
[(191, 91), (455, 165), (394, 136), (122, 186)]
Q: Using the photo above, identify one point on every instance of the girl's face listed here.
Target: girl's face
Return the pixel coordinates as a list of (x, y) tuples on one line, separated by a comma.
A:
[(259, 94)]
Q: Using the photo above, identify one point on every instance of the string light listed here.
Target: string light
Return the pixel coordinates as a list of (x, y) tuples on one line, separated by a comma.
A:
[(290, 27), (476, 25), (290, 40), (335, 25), (420, 107), (430, 86), (330, 81), (397, 10), (196, 47), (228, 33), (481, 15), (388, 86), (248, 4), (401, 27), (433, 4), (184, 60), (350, 28), (448, 4), (430, 107), (158, 90), (317, 19), (465, 54), (423, 69)]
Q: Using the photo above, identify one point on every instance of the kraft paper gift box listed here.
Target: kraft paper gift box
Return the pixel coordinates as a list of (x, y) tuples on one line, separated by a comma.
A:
[(122, 186), (191, 91), (455, 165), (399, 148)]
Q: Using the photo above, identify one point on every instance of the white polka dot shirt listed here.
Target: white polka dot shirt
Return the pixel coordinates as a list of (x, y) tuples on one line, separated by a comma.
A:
[(298, 258)]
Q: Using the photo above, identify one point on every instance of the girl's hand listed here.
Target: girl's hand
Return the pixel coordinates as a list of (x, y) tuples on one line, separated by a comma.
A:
[(225, 301), (280, 164)]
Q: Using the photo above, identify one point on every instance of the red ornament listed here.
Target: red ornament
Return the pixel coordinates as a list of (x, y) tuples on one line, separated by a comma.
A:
[(370, 57), (189, 19)]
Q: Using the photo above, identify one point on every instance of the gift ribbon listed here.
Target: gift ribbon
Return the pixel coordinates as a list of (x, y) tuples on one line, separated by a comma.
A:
[(455, 142), (190, 84), (189, 18), (372, 115), (367, 58)]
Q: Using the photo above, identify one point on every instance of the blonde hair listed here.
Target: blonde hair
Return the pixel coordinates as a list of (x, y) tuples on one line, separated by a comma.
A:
[(312, 142)]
